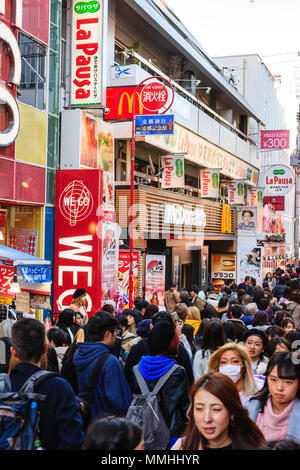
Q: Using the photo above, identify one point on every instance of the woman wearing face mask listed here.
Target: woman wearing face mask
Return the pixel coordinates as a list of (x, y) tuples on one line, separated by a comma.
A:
[(217, 419), (232, 359), (78, 303), (255, 341), (276, 408)]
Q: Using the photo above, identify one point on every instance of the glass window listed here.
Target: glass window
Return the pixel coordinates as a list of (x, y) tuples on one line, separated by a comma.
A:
[(32, 86), (53, 141)]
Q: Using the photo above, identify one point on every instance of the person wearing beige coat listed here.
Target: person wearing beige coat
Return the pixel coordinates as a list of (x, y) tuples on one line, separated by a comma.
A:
[(172, 298)]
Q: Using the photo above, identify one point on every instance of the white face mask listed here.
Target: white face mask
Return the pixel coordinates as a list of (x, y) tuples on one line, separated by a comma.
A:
[(83, 298), (232, 371)]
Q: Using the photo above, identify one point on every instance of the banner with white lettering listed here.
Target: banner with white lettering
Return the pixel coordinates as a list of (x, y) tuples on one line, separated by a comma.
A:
[(236, 193), (210, 181), (173, 171)]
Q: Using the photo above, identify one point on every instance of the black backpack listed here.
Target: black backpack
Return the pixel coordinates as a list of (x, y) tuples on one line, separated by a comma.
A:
[(85, 398), (19, 414)]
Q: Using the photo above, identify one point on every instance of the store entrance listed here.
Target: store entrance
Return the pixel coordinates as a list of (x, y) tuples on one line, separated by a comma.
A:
[(186, 276)]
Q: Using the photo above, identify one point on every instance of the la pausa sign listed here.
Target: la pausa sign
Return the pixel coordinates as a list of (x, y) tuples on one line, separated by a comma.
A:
[(279, 179)]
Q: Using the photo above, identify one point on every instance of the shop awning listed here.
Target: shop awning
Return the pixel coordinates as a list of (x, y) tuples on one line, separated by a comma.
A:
[(18, 257)]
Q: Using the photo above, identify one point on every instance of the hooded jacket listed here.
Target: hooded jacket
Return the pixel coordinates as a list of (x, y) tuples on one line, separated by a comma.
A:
[(173, 397), (294, 310), (112, 393)]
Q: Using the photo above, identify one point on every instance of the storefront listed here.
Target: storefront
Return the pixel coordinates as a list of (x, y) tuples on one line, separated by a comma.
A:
[(185, 230)]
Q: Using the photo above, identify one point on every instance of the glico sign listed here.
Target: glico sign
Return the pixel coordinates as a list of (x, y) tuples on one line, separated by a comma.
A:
[(8, 86), (120, 102)]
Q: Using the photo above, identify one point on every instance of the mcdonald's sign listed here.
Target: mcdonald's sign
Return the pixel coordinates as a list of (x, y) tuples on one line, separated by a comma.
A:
[(120, 102)]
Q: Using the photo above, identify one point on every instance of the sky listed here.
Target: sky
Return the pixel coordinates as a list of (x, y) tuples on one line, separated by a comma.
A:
[(270, 28)]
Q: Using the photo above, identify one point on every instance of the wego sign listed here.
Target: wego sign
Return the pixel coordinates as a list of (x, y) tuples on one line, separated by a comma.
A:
[(8, 88)]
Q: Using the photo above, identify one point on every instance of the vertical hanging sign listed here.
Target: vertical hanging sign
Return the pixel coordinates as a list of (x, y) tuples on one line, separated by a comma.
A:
[(236, 193), (255, 197), (87, 53), (210, 181)]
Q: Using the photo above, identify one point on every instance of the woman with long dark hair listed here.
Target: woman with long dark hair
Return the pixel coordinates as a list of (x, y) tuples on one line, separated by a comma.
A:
[(276, 407), (217, 419), (213, 337)]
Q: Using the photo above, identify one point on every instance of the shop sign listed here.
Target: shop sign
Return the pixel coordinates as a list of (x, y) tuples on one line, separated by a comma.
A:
[(40, 301), (6, 300), (249, 259), (155, 279), (275, 202), (6, 279), (173, 171), (179, 215), (24, 240), (255, 197), (247, 220), (78, 237), (110, 258), (236, 193), (210, 181), (156, 124), (87, 50), (9, 135), (223, 266), (120, 102), (275, 140), (35, 274), (278, 180)]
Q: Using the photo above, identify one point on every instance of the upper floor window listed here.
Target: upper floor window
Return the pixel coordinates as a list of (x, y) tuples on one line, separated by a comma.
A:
[(32, 86)]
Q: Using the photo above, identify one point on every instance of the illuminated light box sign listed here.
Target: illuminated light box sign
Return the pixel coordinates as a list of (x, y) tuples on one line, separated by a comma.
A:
[(278, 180)]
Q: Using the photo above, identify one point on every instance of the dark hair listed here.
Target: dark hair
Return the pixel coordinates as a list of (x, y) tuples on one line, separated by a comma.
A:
[(98, 324), (244, 433), (108, 308), (213, 336), (209, 311), (137, 300), (229, 330), (199, 335), (28, 337), (260, 319), (162, 316), (280, 445), (241, 293), (223, 302), (182, 311), (286, 369), (280, 317), (293, 335), (258, 295), (151, 310), (122, 319), (52, 361), (236, 311), (275, 331), (112, 434), (294, 296), (286, 321), (263, 303), (66, 317), (271, 346), (287, 291), (195, 288), (142, 304), (58, 336)]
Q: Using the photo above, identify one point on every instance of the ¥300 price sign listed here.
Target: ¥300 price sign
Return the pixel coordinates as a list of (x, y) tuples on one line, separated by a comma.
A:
[(274, 140)]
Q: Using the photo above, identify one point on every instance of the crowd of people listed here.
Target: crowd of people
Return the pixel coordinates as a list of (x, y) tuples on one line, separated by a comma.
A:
[(223, 365)]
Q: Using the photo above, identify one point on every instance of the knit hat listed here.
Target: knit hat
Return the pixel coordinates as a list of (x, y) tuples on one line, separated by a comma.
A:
[(163, 339), (78, 293), (143, 328), (255, 332)]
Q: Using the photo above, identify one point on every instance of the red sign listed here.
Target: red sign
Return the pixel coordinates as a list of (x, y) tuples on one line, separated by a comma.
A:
[(120, 102), (6, 279), (154, 96), (78, 242), (274, 140), (276, 202)]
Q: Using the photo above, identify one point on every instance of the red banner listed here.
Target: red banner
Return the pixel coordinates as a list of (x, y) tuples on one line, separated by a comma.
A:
[(120, 102), (274, 140), (78, 242), (6, 279), (276, 202)]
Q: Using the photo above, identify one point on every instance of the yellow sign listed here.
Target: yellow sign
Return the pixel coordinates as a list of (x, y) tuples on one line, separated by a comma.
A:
[(6, 300)]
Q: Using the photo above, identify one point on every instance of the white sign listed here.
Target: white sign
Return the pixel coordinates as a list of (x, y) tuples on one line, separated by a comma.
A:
[(236, 193), (210, 180), (179, 215), (255, 197), (247, 220), (155, 279), (76, 202), (173, 171), (87, 47), (278, 180), (9, 135)]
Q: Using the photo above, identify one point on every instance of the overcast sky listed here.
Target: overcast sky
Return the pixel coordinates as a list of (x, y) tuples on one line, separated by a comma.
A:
[(228, 27)]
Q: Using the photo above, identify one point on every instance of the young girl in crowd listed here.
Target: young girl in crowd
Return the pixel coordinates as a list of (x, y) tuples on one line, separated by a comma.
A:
[(276, 408), (255, 341), (213, 337), (217, 419), (288, 325), (232, 359), (276, 345)]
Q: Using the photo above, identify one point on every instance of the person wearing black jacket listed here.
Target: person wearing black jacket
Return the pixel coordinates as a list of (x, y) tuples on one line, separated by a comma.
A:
[(174, 401), (279, 289), (142, 349)]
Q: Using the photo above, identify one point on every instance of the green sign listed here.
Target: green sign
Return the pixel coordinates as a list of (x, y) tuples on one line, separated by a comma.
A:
[(240, 189), (87, 7), (179, 168), (278, 172), (215, 180)]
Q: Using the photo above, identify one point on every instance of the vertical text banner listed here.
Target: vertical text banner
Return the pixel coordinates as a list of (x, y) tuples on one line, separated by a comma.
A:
[(155, 279), (255, 197), (173, 171), (87, 52), (210, 181), (236, 194)]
